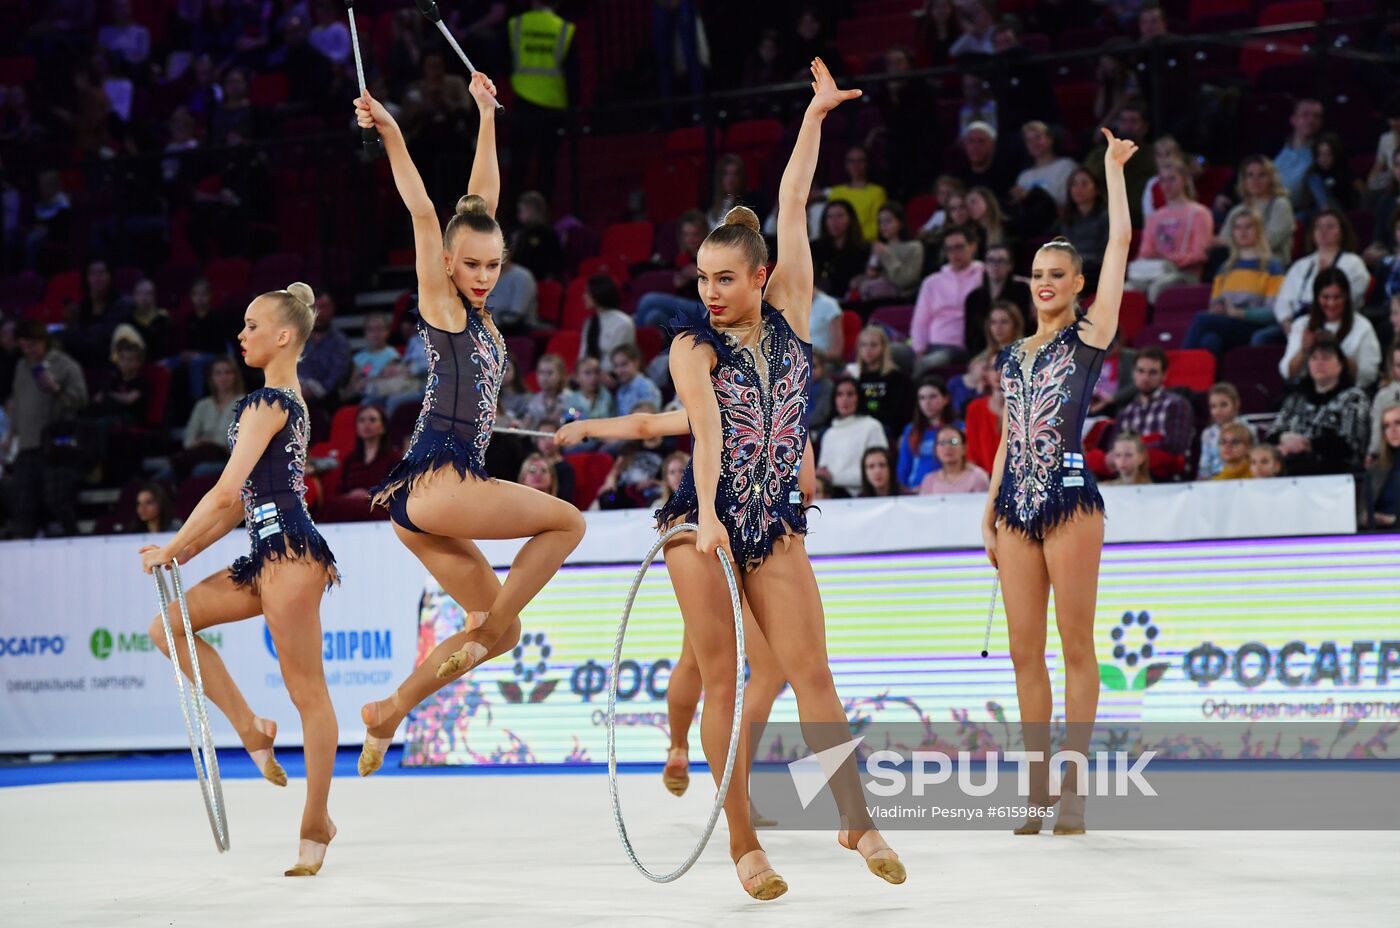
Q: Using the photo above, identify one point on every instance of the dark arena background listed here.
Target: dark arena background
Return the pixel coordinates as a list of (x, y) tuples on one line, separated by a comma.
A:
[(165, 162)]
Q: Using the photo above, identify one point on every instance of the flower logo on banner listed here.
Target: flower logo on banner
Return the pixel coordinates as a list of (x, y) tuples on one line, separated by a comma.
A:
[(1134, 643), (531, 658)]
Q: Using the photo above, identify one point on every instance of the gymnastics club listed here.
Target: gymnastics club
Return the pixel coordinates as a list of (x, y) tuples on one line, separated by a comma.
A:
[(429, 8), (370, 137)]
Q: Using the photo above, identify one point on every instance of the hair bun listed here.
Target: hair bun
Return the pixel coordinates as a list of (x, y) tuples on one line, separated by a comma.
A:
[(742, 216), (1061, 239), (302, 293), (471, 203)]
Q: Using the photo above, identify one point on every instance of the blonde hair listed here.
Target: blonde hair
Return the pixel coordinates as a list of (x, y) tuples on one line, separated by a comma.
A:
[(534, 457), (1276, 187), (1261, 241), (886, 359), (1239, 430), (472, 214), (740, 230), (1062, 244), (665, 496), (1387, 455), (297, 305), (1188, 183), (1143, 475)]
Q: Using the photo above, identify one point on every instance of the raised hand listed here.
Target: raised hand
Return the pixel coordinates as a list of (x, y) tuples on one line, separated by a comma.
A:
[(483, 91), (1119, 150), (825, 94), (153, 557), (371, 114)]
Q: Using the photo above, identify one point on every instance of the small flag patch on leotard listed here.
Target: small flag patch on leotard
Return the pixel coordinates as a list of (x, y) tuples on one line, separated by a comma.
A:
[(1074, 460)]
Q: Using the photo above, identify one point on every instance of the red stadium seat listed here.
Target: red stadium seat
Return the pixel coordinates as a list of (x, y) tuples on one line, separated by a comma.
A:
[(1309, 12), (521, 349), (672, 186), (551, 296), (191, 491), (266, 89), (627, 243), (895, 318), (343, 429), (1166, 337), (228, 276), (1181, 302), (687, 141), (1191, 368), (650, 341), (851, 325), (565, 344), (1254, 372), (158, 376), (574, 311), (591, 468), (64, 287), (1132, 315), (919, 211)]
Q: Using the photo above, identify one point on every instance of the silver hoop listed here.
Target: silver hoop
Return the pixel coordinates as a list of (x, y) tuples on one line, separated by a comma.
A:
[(206, 760), (735, 730), (991, 611)]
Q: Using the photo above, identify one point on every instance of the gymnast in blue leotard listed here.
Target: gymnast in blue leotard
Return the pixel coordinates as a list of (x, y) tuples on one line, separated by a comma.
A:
[(741, 377), (288, 566), (1044, 519), (440, 496)]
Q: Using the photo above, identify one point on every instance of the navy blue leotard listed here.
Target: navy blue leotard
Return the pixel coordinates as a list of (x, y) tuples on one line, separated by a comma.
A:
[(1045, 481), (274, 495), (465, 370), (763, 433)]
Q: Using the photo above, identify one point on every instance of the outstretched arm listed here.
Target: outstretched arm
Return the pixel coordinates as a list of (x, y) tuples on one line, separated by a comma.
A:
[(1103, 315), (638, 426), (434, 286), (790, 287), (224, 502), (485, 181)]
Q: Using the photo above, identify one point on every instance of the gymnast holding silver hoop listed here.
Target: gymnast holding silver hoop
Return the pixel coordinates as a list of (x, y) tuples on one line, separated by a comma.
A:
[(287, 570), (742, 377)]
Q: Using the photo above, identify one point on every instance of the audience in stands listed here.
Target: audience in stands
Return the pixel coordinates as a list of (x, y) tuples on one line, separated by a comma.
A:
[(1332, 311), (1265, 461), (155, 511), (1174, 238), (47, 395), (1260, 189), (839, 254), (607, 328), (896, 261), (1085, 222), (1130, 460), (1161, 418), (918, 456), (1333, 244), (325, 361), (1323, 425), (864, 196), (884, 388), (845, 441), (1223, 401), (1383, 478), (939, 320), (1243, 292), (1236, 442), (206, 432), (1296, 157), (955, 474), (877, 474), (631, 385)]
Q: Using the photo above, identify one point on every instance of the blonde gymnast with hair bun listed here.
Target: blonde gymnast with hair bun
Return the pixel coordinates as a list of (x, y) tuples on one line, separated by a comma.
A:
[(742, 379), (1043, 523), (440, 496), (287, 570)]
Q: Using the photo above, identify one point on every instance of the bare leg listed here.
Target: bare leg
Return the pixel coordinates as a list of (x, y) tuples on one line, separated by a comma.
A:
[(463, 571), (1072, 554), (215, 600), (788, 606), (471, 508), (682, 696), (709, 629), (1025, 589), (291, 595)]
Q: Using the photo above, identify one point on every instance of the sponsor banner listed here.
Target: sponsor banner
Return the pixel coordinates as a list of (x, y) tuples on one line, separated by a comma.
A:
[(1192, 632), (78, 670)]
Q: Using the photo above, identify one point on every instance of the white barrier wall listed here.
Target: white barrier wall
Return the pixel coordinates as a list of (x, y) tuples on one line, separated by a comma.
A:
[(77, 671)]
